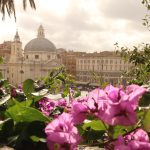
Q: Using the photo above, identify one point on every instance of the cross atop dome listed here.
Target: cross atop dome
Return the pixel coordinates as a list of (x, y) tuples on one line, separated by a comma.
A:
[(41, 32)]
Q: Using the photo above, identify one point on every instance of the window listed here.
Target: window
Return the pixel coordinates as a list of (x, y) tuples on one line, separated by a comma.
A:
[(26, 56), (21, 71), (36, 56), (48, 56), (93, 61), (116, 61), (110, 67)]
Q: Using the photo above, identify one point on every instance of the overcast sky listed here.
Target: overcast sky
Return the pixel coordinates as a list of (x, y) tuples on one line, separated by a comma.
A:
[(82, 25)]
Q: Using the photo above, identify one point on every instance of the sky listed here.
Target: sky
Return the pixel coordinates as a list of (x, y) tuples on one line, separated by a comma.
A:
[(80, 25)]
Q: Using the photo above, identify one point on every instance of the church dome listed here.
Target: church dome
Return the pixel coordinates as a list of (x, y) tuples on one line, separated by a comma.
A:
[(40, 43)]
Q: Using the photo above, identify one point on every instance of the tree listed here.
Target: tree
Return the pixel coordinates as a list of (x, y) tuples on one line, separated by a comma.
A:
[(8, 6), (146, 20), (139, 57)]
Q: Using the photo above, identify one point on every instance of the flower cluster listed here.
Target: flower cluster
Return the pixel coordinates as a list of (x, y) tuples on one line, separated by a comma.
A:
[(113, 106), (62, 134), (15, 91), (136, 140), (47, 105)]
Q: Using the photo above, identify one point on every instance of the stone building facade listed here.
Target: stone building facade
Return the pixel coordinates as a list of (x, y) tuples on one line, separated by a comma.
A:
[(101, 67), (5, 51), (68, 59), (40, 56), (35, 61)]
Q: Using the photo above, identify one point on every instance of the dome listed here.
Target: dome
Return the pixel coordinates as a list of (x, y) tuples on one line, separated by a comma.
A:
[(40, 43)]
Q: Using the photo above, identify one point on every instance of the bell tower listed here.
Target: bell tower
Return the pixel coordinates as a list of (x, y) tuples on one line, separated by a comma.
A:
[(16, 49), (16, 37)]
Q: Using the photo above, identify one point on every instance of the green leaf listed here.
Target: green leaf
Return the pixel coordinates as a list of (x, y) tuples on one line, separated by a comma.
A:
[(28, 86), (120, 130), (145, 100), (95, 125), (3, 82), (37, 98), (146, 121), (91, 136), (26, 103), (37, 139), (80, 129), (77, 94), (25, 114)]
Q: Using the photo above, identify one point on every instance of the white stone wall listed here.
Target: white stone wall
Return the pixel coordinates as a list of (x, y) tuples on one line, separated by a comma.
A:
[(43, 56), (110, 68)]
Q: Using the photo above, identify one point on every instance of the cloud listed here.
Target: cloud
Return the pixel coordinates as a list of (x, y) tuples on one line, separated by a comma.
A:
[(122, 9), (87, 25)]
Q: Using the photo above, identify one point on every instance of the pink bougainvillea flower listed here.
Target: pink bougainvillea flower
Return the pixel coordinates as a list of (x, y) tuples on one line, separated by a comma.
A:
[(13, 92), (62, 133), (20, 87), (136, 140), (119, 105), (135, 92), (115, 95), (96, 100), (62, 102), (47, 105), (86, 105), (132, 94), (121, 114), (79, 112)]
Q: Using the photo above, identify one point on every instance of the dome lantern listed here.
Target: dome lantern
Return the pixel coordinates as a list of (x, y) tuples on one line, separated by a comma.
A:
[(40, 43), (41, 32)]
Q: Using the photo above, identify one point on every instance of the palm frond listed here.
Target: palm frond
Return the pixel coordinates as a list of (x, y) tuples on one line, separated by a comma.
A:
[(8, 6), (32, 4)]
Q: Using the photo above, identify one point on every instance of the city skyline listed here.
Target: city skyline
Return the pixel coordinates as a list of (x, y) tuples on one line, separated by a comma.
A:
[(82, 25)]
